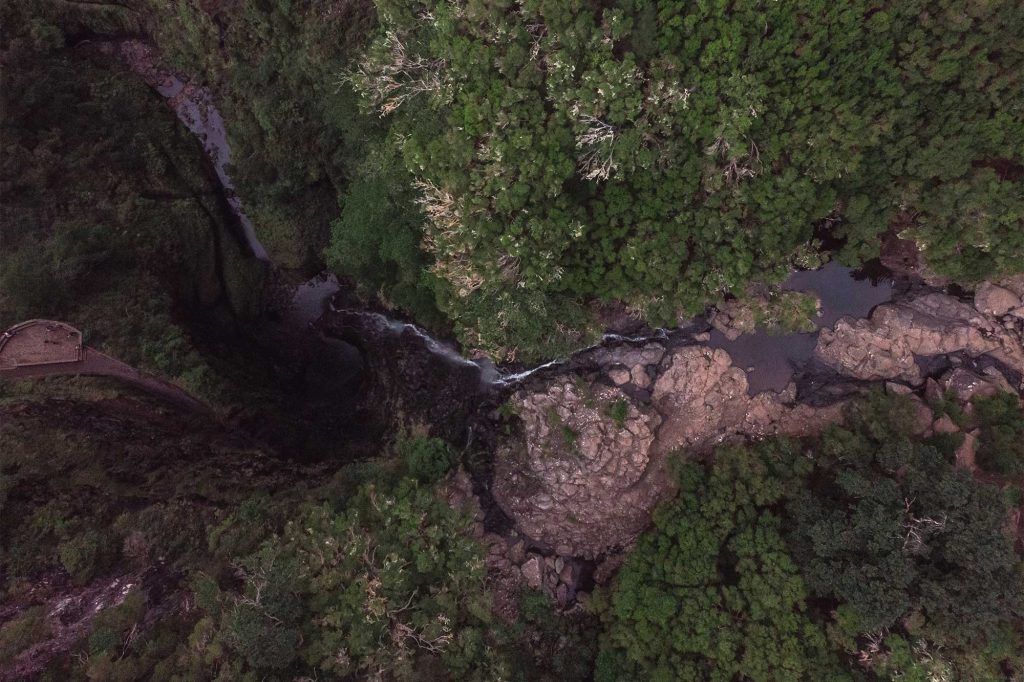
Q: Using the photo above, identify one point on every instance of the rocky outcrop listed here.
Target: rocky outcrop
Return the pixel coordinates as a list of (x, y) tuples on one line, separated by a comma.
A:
[(886, 345), (582, 478), (700, 392), (591, 460)]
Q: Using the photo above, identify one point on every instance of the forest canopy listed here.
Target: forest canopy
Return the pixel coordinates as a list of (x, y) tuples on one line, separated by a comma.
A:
[(665, 154)]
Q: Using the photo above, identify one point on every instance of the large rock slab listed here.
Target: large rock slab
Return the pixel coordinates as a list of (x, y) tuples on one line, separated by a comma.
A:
[(701, 395), (885, 345)]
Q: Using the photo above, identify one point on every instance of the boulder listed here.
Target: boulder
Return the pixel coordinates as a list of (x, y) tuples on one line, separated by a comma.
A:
[(582, 477), (640, 377), (922, 417), (967, 384), (932, 391), (884, 346), (619, 375), (893, 388), (1014, 284), (531, 571), (944, 425), (993, 299), (965, 454)]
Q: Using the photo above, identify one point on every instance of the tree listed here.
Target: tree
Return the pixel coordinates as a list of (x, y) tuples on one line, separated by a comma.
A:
[(711, 593), (665, 154), (390, 586), (901, 539)]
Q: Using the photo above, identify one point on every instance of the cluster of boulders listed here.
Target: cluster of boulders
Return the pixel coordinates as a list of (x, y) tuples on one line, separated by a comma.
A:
[(888, 344), (514, 560), (590, 460), (586, 460)]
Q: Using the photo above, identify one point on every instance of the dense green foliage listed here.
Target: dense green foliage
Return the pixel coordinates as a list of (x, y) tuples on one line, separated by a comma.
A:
[(378, 589), (426, 459), (534, 158), (87, 488), (665, 153), (904, 558), (711, 593), (287, 570), (928, 540), (376, 238)]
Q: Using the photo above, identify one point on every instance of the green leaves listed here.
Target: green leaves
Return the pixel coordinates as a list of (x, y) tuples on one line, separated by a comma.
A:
[(385, 584), (711, 593), (877, 528), (698, 144), (890, 529)]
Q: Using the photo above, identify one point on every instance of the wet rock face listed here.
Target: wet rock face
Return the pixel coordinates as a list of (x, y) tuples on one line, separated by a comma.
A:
[(406, 381), (580, 480), (885, 345)]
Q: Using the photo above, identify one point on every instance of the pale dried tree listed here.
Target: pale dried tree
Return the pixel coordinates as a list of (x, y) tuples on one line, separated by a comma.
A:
[(390, 76), (736, 168), (916, 530), (597, 145), (442, 238)]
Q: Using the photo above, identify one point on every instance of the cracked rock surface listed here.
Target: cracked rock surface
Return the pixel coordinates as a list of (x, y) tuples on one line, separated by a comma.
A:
[(884, 346), (582, 478)]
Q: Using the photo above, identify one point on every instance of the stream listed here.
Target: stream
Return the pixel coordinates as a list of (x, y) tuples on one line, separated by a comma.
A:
[(770, 360)]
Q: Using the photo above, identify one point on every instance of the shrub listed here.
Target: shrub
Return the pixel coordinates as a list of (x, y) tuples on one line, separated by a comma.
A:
[(27, 628), (618, 411), (83, 554), (1001, 447), (426, 459)]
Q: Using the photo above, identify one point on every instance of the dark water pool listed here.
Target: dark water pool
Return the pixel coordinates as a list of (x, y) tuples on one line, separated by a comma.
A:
[(771, 359)]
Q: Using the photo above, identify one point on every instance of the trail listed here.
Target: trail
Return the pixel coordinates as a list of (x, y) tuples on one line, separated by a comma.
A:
[(95, 363)]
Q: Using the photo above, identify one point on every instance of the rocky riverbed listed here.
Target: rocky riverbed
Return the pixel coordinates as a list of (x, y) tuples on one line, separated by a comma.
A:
[(581, 450)]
